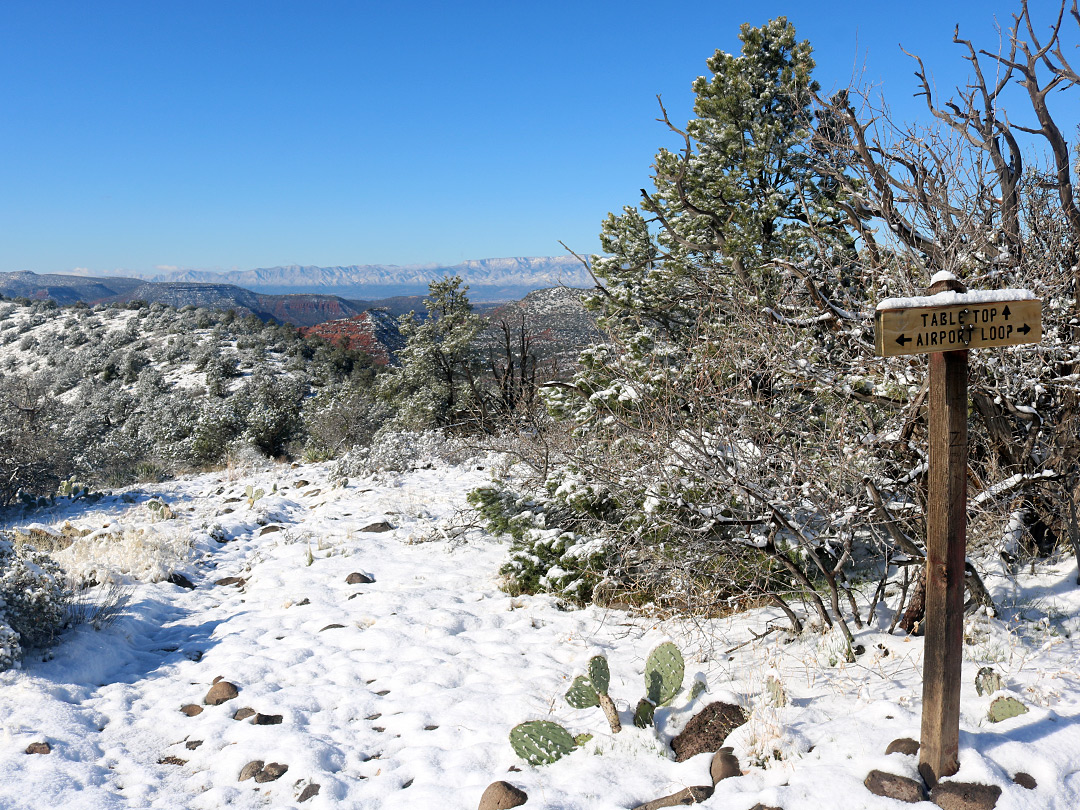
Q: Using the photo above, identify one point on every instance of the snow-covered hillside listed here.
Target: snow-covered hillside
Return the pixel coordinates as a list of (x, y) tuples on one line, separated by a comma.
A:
[(400, 692)]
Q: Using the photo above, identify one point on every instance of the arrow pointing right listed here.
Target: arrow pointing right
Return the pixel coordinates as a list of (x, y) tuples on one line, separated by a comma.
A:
[(1023, 330)]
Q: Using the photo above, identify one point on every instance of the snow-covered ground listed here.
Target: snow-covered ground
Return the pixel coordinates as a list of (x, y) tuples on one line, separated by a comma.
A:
[(400, 693)]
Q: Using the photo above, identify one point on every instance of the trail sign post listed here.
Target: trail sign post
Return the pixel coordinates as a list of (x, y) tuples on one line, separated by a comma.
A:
[(945, 324)]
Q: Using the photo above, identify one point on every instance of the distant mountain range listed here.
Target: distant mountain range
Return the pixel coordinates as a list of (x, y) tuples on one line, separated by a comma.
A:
[(304, 296), (488, 279)]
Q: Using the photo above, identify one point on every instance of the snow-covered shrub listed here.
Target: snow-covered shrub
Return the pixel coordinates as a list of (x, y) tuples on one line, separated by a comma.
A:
[(542, 559), (33, 599), (394, 450), (148, 554), (10, 651)]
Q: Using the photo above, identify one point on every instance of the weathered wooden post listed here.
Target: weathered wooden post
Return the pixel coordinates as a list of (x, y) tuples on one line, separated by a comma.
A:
[(945, 324), (946, 545)]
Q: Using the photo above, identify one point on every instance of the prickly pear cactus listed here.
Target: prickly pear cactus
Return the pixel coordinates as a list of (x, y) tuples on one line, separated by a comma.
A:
[(664, 671), (698, 687), (1003, 708), (775, 691), (541, 742), (582, 694), (987, 681), (599, 674), (643, 714)]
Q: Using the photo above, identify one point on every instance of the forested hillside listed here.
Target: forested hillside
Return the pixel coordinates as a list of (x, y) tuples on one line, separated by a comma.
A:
[(107, 395)]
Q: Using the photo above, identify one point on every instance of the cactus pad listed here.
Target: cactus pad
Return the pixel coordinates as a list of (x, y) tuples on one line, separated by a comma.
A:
[(1003, 708), (987, 681), (582, 694), (541, 742), (599, 673), (664, 670), (643, 714), (775, 691)]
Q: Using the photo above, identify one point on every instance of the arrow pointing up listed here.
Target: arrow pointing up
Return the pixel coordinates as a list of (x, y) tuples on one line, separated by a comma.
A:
[(1006, 312), (902, 340)]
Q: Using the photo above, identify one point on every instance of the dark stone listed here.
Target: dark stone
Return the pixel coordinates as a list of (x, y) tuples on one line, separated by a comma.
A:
[(332, 627), (381, 526), (273, 771), (1025, 780), (724, 765), (181, 580), (891, 786), (690, 795), (244, 713), (302, 602), (903, 745), (39, 748), (231, 581), (221, 692), (266, 719), (251, 769), (760, 806), (171, 761), (308, 792), (269, 530), (191, 745), (191, 709), (356, 578), (301, 483), (964, 795), (708, 730)]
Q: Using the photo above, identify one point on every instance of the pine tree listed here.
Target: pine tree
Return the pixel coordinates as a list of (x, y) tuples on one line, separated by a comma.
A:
[(436, 385)]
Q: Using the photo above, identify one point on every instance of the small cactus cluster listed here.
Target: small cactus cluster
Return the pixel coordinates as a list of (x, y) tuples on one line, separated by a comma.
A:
[(592, 690), (664, 671), (160, 510), (72, 489), (541, 742), (987, 681), (252, 495)]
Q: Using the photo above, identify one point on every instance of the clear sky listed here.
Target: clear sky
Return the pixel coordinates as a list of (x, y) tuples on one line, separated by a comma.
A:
[(228, 134)]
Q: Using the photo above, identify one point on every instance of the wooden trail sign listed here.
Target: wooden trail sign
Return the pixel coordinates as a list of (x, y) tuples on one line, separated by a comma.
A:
[(945, 324), (969, 324)]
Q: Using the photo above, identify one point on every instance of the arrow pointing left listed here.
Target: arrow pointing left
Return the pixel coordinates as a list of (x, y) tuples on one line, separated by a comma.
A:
[(902, 340)]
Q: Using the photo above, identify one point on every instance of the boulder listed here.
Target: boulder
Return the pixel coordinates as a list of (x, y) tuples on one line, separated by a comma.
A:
[(903, 745), (724, 765), (690, 795), (358, 578), (381, 526), (502, 796), (271, 772), (964, 795), (707, 730), (891, 786), (221, 692), (1025, 780), (39, 748)]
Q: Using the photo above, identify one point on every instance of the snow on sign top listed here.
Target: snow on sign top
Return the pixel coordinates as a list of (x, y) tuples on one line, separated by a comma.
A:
[(945, 299), (952, 321)]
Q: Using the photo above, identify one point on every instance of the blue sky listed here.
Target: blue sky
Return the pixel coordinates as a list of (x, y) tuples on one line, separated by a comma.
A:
[(243, 134)]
